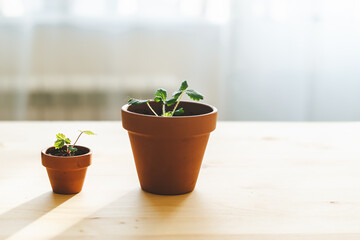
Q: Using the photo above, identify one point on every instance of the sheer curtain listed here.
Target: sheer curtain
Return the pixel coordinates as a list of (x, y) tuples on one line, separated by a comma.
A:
[(294, 60), (284, 60), (82, 59)]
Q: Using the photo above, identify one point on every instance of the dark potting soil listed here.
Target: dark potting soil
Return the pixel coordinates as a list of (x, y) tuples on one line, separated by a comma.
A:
[(148, 112), (63, 153), (190, 109)]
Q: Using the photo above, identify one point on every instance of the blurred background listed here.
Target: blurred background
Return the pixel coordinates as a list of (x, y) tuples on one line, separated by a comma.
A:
[(263, 60)]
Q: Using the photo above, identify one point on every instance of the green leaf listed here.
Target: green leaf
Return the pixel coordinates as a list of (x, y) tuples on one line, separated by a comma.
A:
[(72, 149), (133, 101), (158, 99), (87, 132), (61, 140), (171, 102), (177, 94), (161, 93), (60, 136), (194, 95), (167, 114), (175, 97), (183, 86), (179, 111), (59, 143)]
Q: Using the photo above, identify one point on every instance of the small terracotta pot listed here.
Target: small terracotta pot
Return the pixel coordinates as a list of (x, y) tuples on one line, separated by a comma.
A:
[(168, 151), (66, 174)]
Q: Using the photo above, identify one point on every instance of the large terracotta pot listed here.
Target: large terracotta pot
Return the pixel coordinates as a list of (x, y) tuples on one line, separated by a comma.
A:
[(168, 151), (66, 174)]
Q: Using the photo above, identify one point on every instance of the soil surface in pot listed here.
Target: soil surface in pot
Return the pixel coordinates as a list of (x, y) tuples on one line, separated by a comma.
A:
[(190, 109), (62, 152)]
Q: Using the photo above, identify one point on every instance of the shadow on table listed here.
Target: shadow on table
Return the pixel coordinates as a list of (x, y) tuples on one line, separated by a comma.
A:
[(138, 213), (19, 217)]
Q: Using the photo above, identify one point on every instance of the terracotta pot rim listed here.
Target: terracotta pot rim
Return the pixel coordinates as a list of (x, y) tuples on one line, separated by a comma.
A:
[(214, 110), (66, 157)]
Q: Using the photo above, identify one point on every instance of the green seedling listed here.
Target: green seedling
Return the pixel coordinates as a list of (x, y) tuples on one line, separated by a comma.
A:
[(62, 141), (161, 95)]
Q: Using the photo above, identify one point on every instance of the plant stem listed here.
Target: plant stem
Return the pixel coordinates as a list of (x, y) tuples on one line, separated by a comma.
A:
[(151, 109), (177, 103), (67, 146), (163, 107), (77, 139)]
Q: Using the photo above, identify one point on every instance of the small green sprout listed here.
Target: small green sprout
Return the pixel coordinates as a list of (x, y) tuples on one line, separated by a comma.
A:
[(62, 141), (161, 95)]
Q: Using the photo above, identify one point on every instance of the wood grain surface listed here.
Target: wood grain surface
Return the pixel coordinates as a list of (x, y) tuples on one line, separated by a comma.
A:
[(259, 180)]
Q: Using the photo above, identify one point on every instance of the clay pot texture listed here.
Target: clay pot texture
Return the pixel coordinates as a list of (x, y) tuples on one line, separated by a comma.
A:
[(66, 174), (168, 151)]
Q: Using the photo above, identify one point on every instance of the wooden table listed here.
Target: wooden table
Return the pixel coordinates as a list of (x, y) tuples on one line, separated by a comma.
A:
[(258, 181)]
